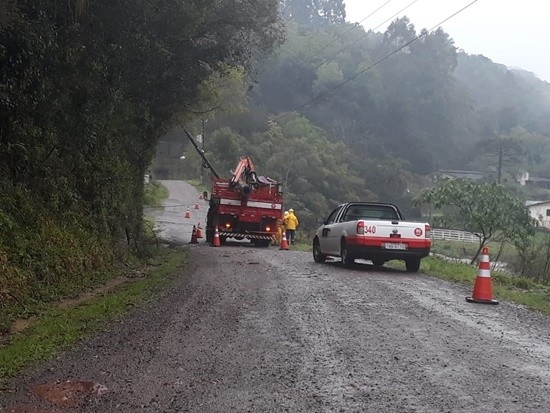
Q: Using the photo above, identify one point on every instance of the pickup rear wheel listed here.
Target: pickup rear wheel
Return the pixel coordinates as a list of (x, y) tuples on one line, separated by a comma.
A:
[(412, 264), (345, 256), (378, 262), (318, 255)]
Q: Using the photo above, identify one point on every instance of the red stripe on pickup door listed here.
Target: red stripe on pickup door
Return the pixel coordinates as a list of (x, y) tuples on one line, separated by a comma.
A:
[(379, 241)]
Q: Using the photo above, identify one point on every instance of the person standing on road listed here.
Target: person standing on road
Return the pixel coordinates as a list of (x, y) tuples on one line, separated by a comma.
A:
[(281, 229), (291, 225)]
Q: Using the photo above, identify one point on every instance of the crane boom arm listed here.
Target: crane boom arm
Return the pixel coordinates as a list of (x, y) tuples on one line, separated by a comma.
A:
[(201, 153), (243, 170)]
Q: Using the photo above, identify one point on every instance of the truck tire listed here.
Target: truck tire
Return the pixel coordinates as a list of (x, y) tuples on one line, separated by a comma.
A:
[(345, 256), (412, 264), (263, 243), (318, 255)]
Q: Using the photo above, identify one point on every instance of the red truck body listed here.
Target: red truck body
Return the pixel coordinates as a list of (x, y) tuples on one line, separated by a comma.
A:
[(246, 206)]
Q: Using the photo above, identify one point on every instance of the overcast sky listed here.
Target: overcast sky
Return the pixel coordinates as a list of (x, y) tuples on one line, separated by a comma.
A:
[(515, 33)]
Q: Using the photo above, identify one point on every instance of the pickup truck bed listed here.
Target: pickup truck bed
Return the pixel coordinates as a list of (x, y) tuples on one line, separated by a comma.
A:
[(372, 231)]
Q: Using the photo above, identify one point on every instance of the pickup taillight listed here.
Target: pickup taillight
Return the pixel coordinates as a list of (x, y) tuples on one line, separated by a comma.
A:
[(360, 227), (427, 231)]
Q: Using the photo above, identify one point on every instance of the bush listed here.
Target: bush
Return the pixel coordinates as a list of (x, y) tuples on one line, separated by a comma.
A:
[(533, 261)]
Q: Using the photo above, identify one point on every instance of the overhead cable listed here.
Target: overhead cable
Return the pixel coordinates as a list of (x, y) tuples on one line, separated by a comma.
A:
[(417, 37)]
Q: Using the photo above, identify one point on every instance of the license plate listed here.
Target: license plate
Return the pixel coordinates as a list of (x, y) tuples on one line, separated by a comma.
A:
[(395, 246)]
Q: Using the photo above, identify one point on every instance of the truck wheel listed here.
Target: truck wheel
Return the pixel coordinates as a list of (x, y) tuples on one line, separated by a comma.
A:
[(412, 264), (345, 256), (318, 255), (264, 243)]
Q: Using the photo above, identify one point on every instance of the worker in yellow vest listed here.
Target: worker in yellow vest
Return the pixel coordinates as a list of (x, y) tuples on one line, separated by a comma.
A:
[(291, 225)]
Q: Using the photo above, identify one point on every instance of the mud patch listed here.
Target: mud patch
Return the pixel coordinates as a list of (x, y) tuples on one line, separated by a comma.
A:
[(68, 394), (62, 396), (20, 325)]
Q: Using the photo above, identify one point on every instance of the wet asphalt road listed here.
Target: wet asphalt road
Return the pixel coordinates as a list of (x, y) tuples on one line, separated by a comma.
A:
[(246, 329)]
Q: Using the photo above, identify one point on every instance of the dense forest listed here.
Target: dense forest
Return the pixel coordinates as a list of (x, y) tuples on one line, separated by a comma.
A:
[(87, 89), (339, 113), (92, 92)]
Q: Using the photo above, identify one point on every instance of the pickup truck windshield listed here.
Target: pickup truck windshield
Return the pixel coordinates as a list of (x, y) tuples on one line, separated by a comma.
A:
[(370, 212)]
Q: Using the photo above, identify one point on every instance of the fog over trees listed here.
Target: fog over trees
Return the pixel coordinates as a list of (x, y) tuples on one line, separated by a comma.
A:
[(390, 109)]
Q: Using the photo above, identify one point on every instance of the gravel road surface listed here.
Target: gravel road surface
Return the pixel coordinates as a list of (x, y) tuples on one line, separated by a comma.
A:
[(247, 329)]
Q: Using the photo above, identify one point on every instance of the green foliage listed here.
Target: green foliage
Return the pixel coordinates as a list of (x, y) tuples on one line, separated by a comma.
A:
[(83, 132), (486, 209), (314, 12), (533, 261), (155, 193), (518, 289), (86, 90), (58, 327)]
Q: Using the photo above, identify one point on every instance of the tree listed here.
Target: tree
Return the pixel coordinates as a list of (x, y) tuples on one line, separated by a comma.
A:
[(314, 12), (487, 210), (87, 88)]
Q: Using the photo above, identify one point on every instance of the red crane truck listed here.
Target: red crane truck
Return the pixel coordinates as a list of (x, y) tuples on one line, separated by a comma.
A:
[(245, 206)]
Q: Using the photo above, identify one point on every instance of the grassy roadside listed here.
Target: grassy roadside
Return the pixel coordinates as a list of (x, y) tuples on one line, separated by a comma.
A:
[(61, 326), (154, 194), (73, 309), (520, 290)]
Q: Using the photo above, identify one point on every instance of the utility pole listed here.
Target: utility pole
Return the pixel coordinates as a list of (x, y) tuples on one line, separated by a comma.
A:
[(499, 172), (202, 146)]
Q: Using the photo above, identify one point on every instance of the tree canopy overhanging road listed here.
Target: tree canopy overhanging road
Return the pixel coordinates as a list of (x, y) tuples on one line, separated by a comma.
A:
[(269, 330)]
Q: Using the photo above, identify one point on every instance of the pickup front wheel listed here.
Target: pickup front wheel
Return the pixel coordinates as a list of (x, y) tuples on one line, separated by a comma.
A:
[(347, 259), (318, 256)]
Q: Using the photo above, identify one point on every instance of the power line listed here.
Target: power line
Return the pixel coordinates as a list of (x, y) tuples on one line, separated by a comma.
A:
[(353, 27), (375, 63), (385, 21), (376, 10)]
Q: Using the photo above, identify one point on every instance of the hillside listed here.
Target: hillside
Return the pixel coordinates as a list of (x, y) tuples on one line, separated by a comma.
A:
[(337, 114)]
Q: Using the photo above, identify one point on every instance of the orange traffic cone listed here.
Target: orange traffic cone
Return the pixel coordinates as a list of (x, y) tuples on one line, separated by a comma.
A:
[(199, 232), (187, 213), (194, 236), (196, 205), (216, 239), (483, 286), (284, 243)]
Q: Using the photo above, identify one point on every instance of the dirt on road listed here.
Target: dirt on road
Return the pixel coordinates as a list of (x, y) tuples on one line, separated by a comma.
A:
[(246, 329)]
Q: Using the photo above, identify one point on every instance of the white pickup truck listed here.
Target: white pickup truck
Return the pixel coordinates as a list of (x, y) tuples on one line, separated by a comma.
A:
[(372, 231)]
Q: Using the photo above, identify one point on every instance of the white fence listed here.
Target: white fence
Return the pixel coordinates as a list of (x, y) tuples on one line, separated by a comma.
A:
[(454, 235)]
